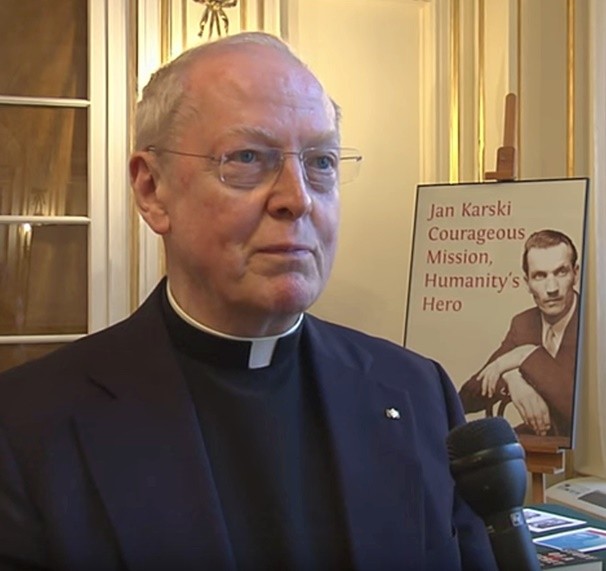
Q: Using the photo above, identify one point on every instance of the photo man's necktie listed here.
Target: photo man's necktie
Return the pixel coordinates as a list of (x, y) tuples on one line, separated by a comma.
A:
[(550, 342)]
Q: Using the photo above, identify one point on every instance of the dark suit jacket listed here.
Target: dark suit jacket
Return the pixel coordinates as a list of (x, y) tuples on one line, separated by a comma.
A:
[(551, 377), (103, 466)]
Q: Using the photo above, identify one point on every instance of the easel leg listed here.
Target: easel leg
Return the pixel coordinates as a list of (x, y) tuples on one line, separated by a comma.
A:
[(569, 464), (539, 463), (538, 488)]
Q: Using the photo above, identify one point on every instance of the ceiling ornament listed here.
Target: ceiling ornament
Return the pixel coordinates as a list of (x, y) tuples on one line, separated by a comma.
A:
[(214, 19)]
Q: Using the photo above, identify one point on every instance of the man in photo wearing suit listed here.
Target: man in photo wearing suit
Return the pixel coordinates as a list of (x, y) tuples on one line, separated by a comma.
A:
[(534, 367), (222, 427)]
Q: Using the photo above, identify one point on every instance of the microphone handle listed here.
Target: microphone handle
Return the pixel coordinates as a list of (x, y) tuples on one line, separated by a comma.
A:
[(511, 541)]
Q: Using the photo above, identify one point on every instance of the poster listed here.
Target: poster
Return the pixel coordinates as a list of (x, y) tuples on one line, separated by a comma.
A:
[(495, 296)]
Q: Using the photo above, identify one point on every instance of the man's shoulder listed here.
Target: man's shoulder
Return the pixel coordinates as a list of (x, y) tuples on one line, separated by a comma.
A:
[(55, 380), (57, 360), (530, 315), (352, 344), (387, 366), (76, 358)]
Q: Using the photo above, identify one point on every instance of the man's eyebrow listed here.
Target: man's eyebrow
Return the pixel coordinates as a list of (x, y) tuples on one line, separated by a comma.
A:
[(566, 266), (256, 132), (330, 137), (537, 273)]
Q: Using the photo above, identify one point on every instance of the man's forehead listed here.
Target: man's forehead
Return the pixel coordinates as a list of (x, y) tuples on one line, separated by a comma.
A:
[(247, 64), (550, 256), (248, 78)]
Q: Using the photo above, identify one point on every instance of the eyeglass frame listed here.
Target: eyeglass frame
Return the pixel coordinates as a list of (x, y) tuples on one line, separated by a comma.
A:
[(356, 156)]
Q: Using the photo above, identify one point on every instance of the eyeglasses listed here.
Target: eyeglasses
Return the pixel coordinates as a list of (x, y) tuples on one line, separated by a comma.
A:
[(251, 167)]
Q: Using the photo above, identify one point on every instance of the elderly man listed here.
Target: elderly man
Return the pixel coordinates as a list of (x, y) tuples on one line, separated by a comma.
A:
[(220, 426)]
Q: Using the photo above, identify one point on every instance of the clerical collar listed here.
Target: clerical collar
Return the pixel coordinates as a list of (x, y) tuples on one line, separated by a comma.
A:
[(258, 352)]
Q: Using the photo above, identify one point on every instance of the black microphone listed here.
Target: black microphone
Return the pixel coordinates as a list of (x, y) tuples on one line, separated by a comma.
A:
[(488, 465)]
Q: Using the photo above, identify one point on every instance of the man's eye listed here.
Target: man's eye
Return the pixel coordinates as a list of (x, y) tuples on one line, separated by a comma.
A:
[(245, 156), (323, 161)]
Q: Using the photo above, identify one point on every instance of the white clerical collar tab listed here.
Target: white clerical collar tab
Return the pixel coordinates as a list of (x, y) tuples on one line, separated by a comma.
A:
[(261, 348), (261, 352)]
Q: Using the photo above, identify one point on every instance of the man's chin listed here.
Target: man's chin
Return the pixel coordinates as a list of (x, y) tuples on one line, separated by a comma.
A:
[(553, 313), (291, 304), (292, 296)]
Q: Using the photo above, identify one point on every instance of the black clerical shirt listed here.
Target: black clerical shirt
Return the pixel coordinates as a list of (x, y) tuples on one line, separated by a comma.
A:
[(268, 447)]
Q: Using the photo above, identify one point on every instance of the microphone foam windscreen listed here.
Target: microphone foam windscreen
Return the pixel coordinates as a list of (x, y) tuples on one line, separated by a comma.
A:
[(479, 435)]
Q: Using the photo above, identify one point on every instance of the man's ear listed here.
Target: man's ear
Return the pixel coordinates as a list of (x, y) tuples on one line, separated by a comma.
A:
[(144, 179)]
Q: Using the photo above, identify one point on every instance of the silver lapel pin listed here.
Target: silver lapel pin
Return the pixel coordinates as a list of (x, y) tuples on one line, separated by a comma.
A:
[(392, 413)]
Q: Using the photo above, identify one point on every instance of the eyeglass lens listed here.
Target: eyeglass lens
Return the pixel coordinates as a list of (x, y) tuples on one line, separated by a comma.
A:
[(322, 168)]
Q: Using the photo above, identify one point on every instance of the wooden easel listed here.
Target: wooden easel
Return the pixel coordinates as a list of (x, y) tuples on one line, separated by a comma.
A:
[(541, 459), (506, 154)]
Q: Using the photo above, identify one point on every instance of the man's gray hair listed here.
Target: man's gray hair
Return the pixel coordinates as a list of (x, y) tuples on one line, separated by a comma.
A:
[(161, 112)]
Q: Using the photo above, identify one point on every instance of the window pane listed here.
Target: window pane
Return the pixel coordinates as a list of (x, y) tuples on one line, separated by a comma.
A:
[(43, 279), (43, 160), (44, 48), (13, 355)]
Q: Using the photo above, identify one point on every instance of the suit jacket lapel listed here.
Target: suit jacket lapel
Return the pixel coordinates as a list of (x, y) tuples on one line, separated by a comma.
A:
[(146, 454), (375, 453), (571, 333)]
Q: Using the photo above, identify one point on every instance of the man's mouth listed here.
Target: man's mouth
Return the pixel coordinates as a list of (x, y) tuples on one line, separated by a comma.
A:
[(286, 249)]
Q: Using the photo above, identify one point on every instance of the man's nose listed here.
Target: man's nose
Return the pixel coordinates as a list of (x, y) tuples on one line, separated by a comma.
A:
[(551, 285), (290, 193)]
